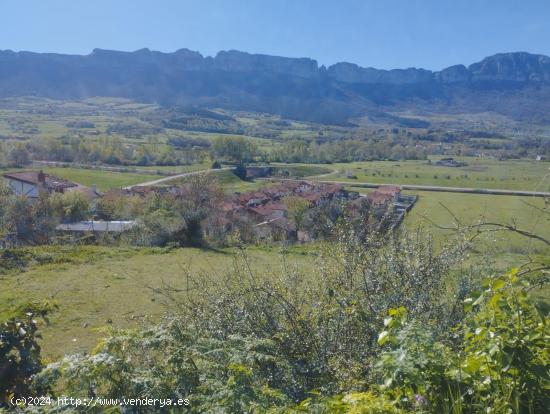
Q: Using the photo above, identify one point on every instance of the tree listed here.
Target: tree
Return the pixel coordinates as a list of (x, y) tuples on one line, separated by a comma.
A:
[(234, 149), (18, 156), (240, 171), (71, 206), (297, 208)]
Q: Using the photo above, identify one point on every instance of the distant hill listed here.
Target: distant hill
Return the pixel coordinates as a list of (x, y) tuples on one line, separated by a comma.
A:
[(514, 84)]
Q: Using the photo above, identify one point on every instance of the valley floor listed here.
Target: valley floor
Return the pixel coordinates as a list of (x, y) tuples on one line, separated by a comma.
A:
[(98, 287)]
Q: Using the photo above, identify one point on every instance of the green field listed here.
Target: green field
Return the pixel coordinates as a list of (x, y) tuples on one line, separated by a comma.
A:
[(175, 168), (105, 286), (104, 180), (228, 181), (479, 173), (470, 209), (301, 170), (434, 210)]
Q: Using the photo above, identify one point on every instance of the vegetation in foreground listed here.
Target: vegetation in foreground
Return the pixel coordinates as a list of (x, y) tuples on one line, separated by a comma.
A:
[(384, 330)]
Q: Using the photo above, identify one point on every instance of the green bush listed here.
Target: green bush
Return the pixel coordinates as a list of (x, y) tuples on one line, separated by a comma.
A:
[(20, 354), (497, 360), (245, 342), (378, 330)]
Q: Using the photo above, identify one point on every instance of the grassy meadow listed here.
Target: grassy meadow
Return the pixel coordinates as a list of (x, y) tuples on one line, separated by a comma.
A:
[(437, 209), (97, 287), (104, 180), (479, 173)]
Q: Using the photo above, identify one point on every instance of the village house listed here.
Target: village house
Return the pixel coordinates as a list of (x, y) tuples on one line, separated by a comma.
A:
[(33, 183), (384, 194), (388, 201), (262, 214)]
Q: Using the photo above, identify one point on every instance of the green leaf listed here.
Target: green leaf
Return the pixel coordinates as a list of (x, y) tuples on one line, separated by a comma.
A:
[(383, 337), (498, 284), (494, 299)]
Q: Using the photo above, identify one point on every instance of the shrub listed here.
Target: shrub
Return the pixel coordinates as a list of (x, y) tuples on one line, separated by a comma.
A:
[(242, 341), (20, 353), (240, 171), (499, 363), (72, 206)]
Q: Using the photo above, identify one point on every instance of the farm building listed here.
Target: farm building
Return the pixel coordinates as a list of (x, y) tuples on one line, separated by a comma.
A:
[(33, 183), (388, 199)]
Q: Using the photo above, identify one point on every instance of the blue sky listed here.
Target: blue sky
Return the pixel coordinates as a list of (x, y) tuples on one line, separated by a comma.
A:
[(385, 33)]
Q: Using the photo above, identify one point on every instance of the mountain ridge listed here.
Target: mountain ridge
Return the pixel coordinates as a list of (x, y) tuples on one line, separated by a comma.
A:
[(293, 87)]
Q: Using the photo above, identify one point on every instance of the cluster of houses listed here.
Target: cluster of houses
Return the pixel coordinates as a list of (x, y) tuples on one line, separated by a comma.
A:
[(267, 214), (262, 214)]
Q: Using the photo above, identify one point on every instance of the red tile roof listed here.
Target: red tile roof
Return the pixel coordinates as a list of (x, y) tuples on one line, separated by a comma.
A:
[(262, 210), (378, 198), (389, 189)]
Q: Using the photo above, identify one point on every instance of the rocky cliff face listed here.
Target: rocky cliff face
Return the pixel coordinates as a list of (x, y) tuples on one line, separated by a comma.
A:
[(351, 73), (234, 61), (514, 67), (297, 88)]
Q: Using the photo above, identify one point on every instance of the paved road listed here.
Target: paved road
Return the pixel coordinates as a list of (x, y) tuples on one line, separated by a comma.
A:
[(173, 177), (495, 191)]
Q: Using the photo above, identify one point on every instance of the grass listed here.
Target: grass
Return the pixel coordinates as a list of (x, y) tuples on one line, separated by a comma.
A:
[(228, 181), (479, 173), (104, 180), (436, 208), (98, 286), (301, 170), (176, 168)]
